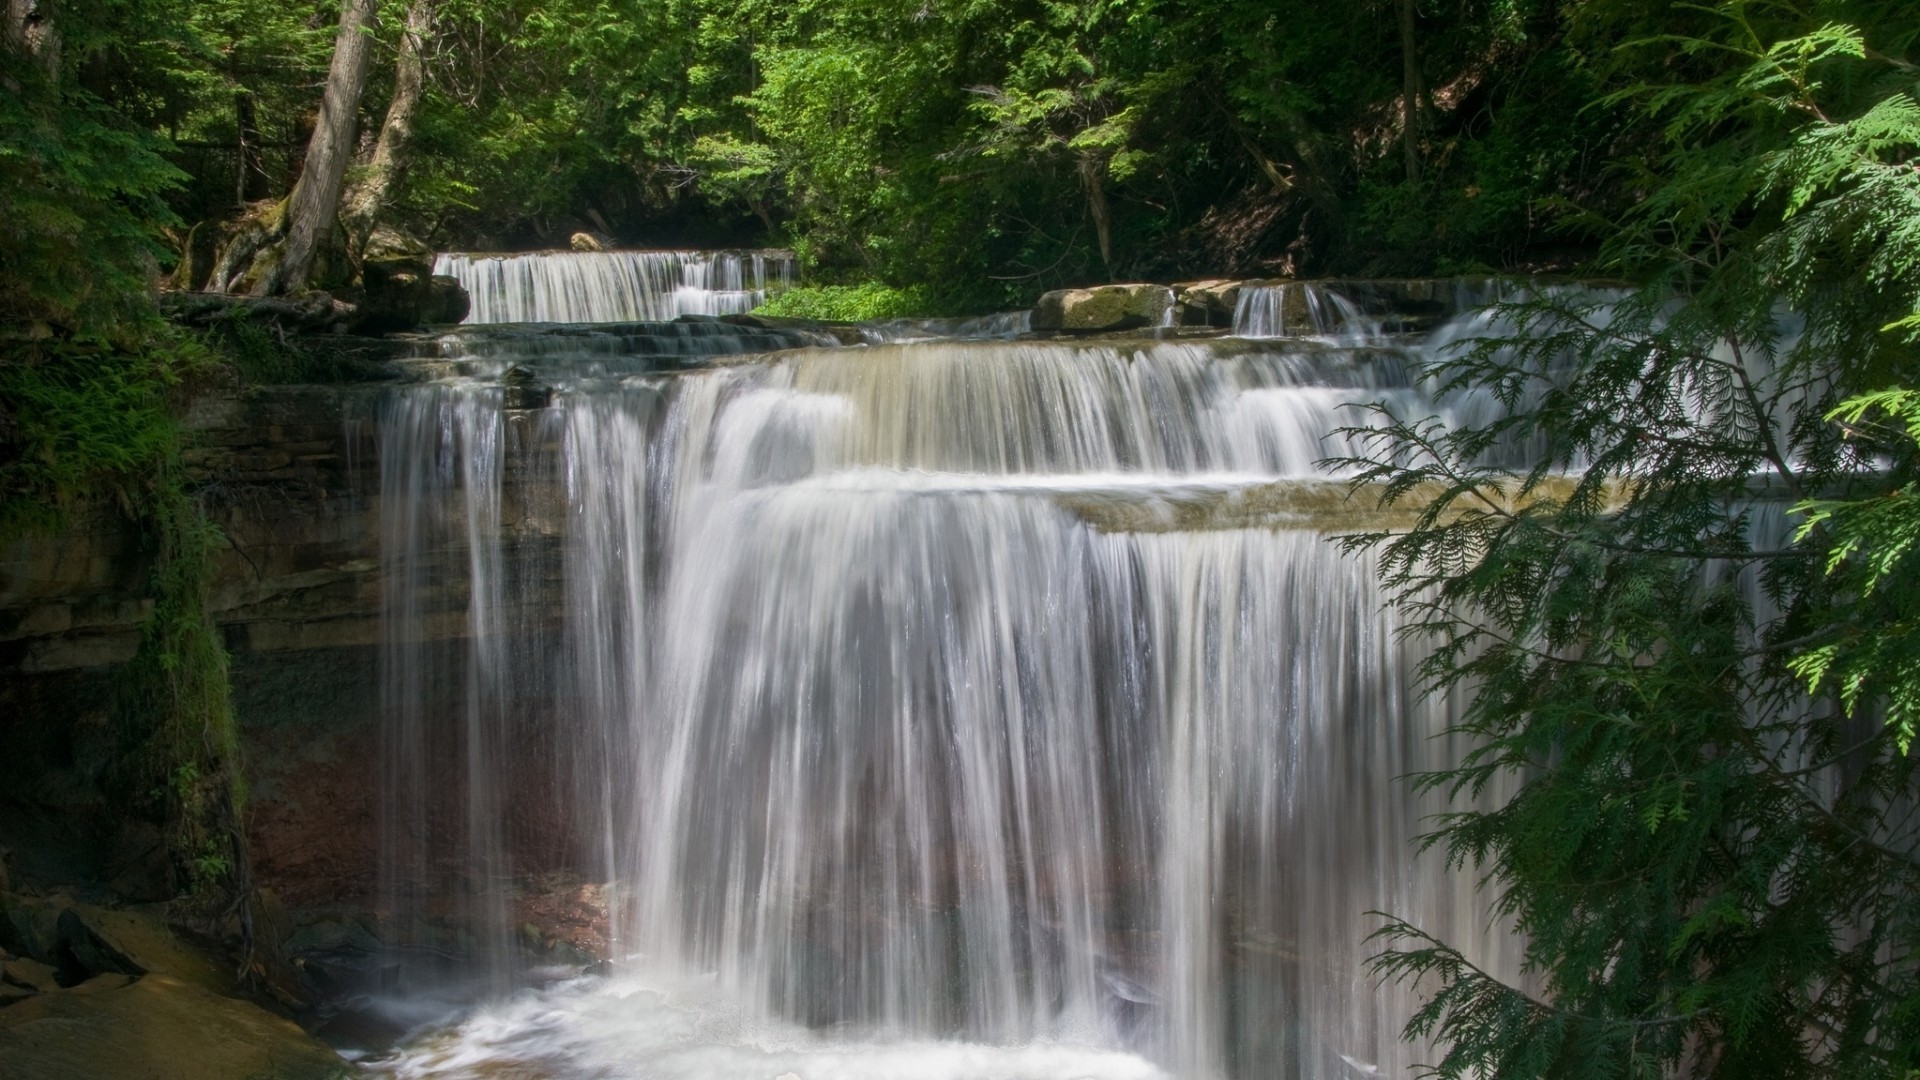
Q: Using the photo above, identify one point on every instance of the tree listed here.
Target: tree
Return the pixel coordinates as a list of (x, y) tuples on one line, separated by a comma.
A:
[(1705, 714), (315, 203), (369, 198)]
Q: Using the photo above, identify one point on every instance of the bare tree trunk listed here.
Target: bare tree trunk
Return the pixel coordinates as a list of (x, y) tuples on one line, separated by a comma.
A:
[(391, 155), (247, 126), (31, 30), (1092, 170), (315, 202), (1412, 93)]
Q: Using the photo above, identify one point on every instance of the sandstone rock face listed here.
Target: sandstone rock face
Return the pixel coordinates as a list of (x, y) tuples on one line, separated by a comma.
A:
[(158, 1028), (1103, 307), (106, 941), (297, 594)]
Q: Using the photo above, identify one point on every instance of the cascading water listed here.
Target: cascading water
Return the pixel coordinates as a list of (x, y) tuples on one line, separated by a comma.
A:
[(1300, 309), (614, 286), (936, 709)]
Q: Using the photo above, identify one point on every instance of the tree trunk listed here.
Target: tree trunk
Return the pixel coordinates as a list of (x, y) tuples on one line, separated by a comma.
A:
[(1412, 92), (1092, 175), (246, 124), (315, 203), (391, 155), (31, 30)]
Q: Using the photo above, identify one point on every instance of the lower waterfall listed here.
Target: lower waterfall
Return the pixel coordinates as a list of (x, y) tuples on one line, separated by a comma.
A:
[(953, 708)]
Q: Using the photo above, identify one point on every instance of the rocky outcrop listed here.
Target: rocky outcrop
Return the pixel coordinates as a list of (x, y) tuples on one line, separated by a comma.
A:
[(93, 991), (156, 1027), (395, 286), (378, 284), (1103, 307), (1209, 302), (447, 302)]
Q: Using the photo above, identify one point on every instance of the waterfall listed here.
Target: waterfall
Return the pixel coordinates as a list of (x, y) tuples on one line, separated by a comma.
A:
[(908, 749), (1297, 309), (614, 286)]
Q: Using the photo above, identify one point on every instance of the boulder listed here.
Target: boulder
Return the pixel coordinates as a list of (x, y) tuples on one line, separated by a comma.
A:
[(396, 282), (586, 241), (1103, 307), (447, 301), (1209, 302), (158, 1028), (29, 926), (104, 941), (30, 975)]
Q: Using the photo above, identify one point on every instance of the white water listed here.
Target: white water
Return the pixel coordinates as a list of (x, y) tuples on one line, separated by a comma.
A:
[(901, 767), (1300, 309), (614, 286)]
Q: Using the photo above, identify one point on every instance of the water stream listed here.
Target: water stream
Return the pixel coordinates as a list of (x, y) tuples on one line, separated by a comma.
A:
[(949, 706), (616, 286)]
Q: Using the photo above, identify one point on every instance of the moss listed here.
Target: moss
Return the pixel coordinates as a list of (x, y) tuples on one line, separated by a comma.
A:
[(181, 749), (848, 303), (85, 428)]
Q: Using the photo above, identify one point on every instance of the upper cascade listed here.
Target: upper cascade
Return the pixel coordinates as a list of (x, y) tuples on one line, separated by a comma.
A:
[(1300, 309), (614, 286)]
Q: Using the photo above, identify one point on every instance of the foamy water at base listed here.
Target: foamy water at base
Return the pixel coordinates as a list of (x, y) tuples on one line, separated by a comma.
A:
[(635, 1027)]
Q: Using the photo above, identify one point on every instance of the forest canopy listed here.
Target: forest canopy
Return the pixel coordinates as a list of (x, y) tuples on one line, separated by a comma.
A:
[(986, 149)]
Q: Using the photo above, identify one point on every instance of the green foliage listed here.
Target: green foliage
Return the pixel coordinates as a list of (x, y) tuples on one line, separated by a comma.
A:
[(90, 428), (180, 739), (1692, 777), (80, 421), (847, 303), (81, 212), (1874, 657)]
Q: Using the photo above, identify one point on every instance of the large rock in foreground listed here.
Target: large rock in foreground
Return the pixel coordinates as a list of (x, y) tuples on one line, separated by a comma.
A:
[(1103, 307), (156, 1028)]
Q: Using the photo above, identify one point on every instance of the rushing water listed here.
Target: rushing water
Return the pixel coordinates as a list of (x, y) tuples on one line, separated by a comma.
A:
[(1300, 309), (614, 286), (926, 712)]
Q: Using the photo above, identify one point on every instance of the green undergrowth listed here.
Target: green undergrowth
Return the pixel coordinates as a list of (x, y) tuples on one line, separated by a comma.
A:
[(91, 429), (182, 745), (260, 353), (848, 303)]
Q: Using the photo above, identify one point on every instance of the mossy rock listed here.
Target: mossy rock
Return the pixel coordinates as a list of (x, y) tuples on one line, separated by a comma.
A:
[(1102, 308)]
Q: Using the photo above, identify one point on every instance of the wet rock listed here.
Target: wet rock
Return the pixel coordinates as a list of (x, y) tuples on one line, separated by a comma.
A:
[(332, 936), (1206, 303), (30, 975), (131, 943), (519, 390), (845, 333), (586, 241), (447, 301), (396, 282), (157, 1028), (1104, 307), (567, 918), (29, 927)]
